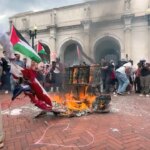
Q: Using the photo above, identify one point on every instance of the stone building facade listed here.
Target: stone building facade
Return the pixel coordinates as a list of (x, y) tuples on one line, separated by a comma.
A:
[(111, 29)]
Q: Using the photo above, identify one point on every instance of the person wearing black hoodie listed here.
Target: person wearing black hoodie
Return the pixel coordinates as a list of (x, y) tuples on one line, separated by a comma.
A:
[(5, 74), (145, 78)]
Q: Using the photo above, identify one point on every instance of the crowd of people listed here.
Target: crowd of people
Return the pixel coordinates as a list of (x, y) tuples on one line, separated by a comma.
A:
[(118, 78), (124, 78), (49, 75)]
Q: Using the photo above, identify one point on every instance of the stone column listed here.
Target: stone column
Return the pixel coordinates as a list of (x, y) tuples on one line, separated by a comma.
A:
[(86, 23), (53, 33), (148, 20), (127, 18), (86, 26), (128, 41)]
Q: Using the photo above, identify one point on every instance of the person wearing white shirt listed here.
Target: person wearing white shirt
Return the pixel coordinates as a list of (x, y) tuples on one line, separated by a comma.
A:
[(122, 78)]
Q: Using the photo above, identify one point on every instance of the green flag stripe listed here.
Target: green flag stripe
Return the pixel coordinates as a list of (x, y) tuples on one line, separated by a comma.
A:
[(25, 51), (42, 52)]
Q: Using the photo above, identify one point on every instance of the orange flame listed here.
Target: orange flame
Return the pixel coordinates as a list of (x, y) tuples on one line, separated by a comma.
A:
[(73, 103)]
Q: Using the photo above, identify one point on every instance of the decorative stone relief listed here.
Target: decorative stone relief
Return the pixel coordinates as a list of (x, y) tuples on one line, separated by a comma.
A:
[(86, 25), (53, 18), (128, 21), (127, 4), (87, 12), (25, 23)]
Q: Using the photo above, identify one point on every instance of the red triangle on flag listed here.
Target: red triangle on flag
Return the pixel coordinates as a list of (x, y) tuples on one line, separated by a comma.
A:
[(40, 49), (14, 37)]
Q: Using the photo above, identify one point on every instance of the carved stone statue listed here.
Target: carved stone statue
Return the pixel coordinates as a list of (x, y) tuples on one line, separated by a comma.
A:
[(127, 4), (53, 17), (87, 11)]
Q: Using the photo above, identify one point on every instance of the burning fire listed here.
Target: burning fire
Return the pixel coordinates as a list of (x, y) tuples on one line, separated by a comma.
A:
[(73, 103), (80, 100)]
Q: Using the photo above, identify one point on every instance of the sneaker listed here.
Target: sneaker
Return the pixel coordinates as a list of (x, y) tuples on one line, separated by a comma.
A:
[(141, 95), (1, 145), (120, 93), (6, 92), (147, 95), (129, 93), (114, 93)]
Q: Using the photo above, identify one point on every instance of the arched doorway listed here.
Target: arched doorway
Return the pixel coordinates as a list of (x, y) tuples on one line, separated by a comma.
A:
[(45, 58), (72, 53), (107, 48)]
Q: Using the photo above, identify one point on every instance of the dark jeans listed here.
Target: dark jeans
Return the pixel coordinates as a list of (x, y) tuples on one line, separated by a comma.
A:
[(6, 81), (137, 85)]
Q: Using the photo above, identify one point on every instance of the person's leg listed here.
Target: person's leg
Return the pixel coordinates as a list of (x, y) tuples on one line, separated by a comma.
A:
[(147, 84), (104, 84), (118, 76), (138, 85), (142, 84), (107, 86), (125, 82), (1, 130)]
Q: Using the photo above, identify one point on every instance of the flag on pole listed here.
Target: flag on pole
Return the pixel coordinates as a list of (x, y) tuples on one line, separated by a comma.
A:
[(22, 46), (40, 49)]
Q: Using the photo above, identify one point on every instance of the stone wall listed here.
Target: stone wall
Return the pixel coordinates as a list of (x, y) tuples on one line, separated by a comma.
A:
[(86, 23)]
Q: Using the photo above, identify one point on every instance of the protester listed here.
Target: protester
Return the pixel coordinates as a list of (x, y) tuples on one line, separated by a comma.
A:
[(5, 74), (59, 73), (18, 61), (50, 79), (130, 75), (40, 75), (122, 78), (24, 62), (3, 39), (112, 77), (145, 78), (104, 75), (137, 83)]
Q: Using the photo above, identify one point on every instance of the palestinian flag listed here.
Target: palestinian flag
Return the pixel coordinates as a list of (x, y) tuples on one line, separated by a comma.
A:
[(40, 49), (22, 46)]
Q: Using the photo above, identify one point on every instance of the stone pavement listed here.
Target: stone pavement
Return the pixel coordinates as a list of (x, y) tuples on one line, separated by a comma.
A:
[(126, 127)]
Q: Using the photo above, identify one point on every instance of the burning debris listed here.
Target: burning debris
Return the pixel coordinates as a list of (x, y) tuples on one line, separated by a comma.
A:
[(83, 95)]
